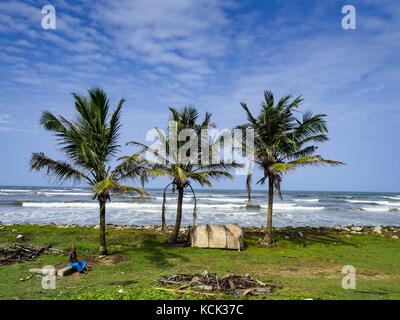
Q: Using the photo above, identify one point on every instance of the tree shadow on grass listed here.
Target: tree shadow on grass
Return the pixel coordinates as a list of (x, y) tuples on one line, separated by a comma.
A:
[(160, 253), (302, 236), (151, 246)]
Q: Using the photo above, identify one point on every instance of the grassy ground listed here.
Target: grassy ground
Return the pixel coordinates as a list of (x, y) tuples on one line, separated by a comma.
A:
[(308, 267)]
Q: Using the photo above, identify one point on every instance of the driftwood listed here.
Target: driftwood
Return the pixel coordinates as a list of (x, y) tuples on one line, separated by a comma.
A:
[(19, 253), (210, 282)]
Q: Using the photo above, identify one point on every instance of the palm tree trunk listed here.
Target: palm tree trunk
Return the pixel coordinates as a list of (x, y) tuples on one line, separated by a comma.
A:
[(174, 236), (163, 222), (103, 247), (248, 189), (268, 233)]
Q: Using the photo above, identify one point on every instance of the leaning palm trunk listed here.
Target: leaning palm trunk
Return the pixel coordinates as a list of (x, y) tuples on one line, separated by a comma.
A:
[(195, 206), (103, 247), (174, 236), (248, 188), (268, 233)]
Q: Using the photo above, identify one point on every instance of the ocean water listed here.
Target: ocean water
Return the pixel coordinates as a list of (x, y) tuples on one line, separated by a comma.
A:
[(45, 205)]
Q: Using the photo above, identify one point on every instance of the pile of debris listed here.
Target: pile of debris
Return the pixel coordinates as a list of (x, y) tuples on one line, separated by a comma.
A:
[(229, 284), (19, 253)]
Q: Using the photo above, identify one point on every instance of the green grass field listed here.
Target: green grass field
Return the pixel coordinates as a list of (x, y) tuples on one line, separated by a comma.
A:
[(306, 267)]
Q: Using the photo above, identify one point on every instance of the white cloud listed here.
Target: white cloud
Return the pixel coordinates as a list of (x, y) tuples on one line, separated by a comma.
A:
[(5, 119), (5, 122), (183, 33), (177, 52)]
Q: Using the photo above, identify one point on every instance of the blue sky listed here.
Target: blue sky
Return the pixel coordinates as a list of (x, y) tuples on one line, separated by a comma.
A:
[(212, 54)]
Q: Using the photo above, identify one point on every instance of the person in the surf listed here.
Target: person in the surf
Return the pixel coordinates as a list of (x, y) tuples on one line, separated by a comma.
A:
[(78, 265)]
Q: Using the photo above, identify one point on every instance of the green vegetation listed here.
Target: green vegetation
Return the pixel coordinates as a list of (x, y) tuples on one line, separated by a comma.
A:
[(89, 143), (307, 267), (282, 143)]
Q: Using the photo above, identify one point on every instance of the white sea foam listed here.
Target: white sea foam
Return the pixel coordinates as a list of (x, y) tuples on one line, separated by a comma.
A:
[(122, 205), (212, 205), (381, 203), (282, 205), (309, 208), (116, 205), (225, 199), (209, 213), (65, 193), (361, 201), (306, 200), (15, 191), (292, 206), (393, 198), (378, 209), (186, 199), (394, 204)]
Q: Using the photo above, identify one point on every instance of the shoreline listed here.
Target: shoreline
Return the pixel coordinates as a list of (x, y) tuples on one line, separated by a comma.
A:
[(348, 230)]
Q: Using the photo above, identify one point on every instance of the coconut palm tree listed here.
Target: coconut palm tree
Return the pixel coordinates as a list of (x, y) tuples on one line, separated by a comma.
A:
[(89, 143), (282, 143), (180, 169)]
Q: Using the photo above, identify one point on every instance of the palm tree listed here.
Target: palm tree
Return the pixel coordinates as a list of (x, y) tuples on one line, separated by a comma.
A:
[(283, 142), (183, 171), (89, 142)]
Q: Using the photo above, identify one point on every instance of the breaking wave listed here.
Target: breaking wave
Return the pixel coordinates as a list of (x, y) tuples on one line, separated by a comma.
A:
[(64, 193), (306, 200), (381, 203), (380, 209)]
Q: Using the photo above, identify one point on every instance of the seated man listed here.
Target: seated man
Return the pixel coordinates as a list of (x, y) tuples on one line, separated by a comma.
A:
[(79, 266)]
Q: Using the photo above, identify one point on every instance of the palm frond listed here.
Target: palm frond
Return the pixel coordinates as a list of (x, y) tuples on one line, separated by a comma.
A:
[(144, 148), (181, 174), (213, 174), (105, 187), (200, 179), (314, 160), (132, 167), (219, 166), (250, 117), (114, 128), (51, 123), (60, 171), (269, 98)]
